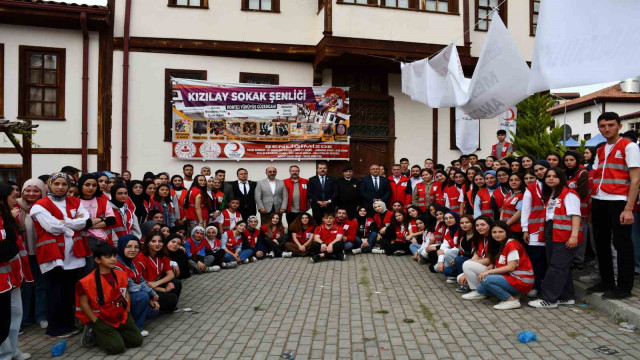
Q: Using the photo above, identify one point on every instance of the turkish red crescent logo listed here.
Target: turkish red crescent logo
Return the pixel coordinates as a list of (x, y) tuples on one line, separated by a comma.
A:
[(511, 115), (236, 146)]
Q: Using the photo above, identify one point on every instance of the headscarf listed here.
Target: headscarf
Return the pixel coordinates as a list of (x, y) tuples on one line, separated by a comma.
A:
[(506, 170), (381, 203), (453, 229), (456, 172), (55, 176), (109, 174), (122, 243), (148, 175), (193, 231), (25, 221), (84, 178), (146, 227), (544, 163), (176, 188), (114, 190), (361, 219), (251, 217), (138, 200), (207, 230), (495, 175)]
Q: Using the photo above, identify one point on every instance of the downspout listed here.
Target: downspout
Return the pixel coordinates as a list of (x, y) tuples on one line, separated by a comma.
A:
[(85, 89), (125, 84)]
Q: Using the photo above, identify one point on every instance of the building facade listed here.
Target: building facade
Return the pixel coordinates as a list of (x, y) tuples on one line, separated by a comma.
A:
[(353, 43)]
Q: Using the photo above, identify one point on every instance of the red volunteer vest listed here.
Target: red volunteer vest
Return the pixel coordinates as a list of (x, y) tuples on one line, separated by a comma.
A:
[(612, 174), (252, 236), (398, 191), (195, 249), (485, 202), (304, 236), (503, 150), (572, 183), (413, 226), (103, 202), (232, 242), (439, 233), (302, 187), (562, 221), (454, 194), (180, 198), (401, 234), (114, 311), (123, 225), (383, 221), (191, 210), (152, 268), (436, 195), (226, 219), (50, 247), (423, 197), (509, 210), (452, 239), (133, 274), (538, 213), (522, 277), (14, 271)]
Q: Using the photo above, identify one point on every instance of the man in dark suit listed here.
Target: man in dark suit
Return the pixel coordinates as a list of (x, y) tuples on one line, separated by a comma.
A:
[(322, 192), (243, 190), (348, 193), (374, 187)]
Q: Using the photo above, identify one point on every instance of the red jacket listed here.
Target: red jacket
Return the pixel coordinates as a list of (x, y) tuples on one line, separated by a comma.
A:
[(538, 212), (485, 202), (302, 187), (436, 195), (612, 175), (509, 210), (14, 271), (152, 268), (349, 229), (114, 310), (423, 197), (521, 278), (503, 150), (398, 191), (562, 222)]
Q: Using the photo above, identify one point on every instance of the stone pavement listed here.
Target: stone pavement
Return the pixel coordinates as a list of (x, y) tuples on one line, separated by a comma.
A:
[(367, 307)]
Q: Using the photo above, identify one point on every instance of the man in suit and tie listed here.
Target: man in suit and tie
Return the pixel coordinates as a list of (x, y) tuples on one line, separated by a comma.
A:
[(322, 192), (270, 195), (374, 187), (243, 190)]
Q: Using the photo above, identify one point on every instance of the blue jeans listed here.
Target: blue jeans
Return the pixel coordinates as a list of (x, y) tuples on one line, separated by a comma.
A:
[(350, 245), (38, 288), (371, 240), (455, 269), (414, 247), (140, 308), (496, 285), (244, 255)]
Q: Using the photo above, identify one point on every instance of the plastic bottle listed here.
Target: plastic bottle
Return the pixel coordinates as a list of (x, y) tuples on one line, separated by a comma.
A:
[(527, 336), (59, 348)]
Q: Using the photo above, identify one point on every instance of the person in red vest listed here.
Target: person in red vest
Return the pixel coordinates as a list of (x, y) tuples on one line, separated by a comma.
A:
[(511, 272), (512, 207), (422, 191), (616, 181), (229, 217), (178, 196), (578, 180), (327, 240), (349, 229), (126, 221), (562, 236), (503, 148), (102, 304), (14, 269), (61, 251), (297, 202), (398, 183)]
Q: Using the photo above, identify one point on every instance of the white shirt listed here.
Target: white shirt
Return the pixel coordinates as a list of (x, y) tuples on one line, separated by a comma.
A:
[(232, 219), (53, 226), (571, 204), (396, 179), (272, 185), (632, 152), (241, 185), (526, 212), (187, 183)]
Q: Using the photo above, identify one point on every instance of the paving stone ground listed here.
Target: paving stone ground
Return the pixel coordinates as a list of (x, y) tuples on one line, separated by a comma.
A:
[(367, 307)]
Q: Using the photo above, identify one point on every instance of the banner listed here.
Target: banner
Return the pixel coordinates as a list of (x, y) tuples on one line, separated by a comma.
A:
[(576, 43), (508, 122), (215, 121), (467, 132), (499, 81)]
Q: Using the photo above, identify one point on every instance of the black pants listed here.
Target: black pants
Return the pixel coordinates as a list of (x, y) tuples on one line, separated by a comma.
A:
[(5, 315), (384, 243), (291, 216), (338, 247), (606, 224), (398, 245), (538, 257), (61, 301), (319, 211), (266, 246), (218, 256), (558, 282), (169, 300)]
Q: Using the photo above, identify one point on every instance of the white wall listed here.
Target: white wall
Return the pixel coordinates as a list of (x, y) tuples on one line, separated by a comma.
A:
[(297, 23), (53, 134), (575, 118)]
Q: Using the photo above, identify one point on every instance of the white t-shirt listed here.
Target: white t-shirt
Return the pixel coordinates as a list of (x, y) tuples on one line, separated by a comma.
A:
[(632, 152), (571, 204)]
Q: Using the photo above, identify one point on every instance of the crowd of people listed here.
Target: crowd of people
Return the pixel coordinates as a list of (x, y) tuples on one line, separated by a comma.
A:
[(112, 252)]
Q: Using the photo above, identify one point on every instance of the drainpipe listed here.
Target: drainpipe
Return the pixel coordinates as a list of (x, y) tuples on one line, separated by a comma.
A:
[(125, 84), (85, 88)]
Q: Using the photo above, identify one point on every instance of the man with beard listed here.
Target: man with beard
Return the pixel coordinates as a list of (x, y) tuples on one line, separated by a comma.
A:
[(349, 193)]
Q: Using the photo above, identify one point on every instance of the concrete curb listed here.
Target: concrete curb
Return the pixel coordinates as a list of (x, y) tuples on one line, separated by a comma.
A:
[(616, 309)]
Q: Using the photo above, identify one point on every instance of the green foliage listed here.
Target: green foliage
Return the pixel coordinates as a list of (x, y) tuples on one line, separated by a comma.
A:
[(533, 122)]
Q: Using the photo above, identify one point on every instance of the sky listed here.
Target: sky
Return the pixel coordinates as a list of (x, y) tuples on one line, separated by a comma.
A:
[(584, 90)]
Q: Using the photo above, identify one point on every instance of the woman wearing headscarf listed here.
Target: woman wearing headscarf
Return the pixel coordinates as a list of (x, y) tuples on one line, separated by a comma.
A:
[(178, 195), (483, 199), (136, 191), (32, 191), (450, 244), (501, 192), (126, 221), (61, 252)]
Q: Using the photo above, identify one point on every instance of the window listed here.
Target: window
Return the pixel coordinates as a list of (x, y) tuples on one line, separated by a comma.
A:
[(1, 81), (444, 6), (635, 126), (587, 117), (41, 85), (168, 91), (403, 4), (197, 4), (10, 172), (534, 10), (362, 2), (437, 5), (575, 137), (483, 13), (587, 136), (261, 5), (263, 79)]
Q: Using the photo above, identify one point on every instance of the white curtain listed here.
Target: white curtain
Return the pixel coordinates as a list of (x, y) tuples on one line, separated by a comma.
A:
[(467, 132)]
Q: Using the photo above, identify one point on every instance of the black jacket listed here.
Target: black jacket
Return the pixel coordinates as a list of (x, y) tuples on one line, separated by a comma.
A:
[(348, 192)]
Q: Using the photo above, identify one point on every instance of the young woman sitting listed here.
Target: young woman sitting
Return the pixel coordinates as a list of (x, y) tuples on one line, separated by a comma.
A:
[(272, 238), (396, 239), (199, 260), (481, 259), (301, 231), (156, 268)]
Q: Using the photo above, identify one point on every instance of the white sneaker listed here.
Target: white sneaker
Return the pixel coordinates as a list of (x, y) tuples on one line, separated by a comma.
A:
[(451, 280), (271, 255), (377, 251), (44, 324), (356, 251), (229, 265), (214, 268), (253, 259), (144, 333), (473, 295), (533, 293), (593, 277), (21, 356), (245, 261), (566, 302), (398, 253), (287, 254), (507, 305), (541, 304)]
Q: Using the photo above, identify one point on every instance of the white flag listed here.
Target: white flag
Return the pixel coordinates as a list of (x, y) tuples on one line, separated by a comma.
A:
[(467, 132)]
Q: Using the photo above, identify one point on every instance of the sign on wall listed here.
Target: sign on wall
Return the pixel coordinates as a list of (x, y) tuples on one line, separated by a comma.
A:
[(216, 121), (508, 122)]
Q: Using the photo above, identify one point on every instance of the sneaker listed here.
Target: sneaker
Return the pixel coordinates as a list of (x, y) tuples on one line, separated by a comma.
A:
[(377, 251), (473, 295), (44, 324), (88, 338), (463, 289), (315, 258), (422, 261), (271, 255), (533, 293), (593, 277), (253, 259), (599, 288), (566, 302), (144, 333), (340, 256), (616, 294), (214, 268), (507, 305), (21, 356), (230, 265), (451, 280), (542, 304), (20, 331), (287, 254), (245, 261), (356, 251), (398, 253)]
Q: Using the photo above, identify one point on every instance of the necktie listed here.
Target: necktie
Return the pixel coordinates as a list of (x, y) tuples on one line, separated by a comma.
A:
[(244, 185), (375, 183), (322, 181)]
